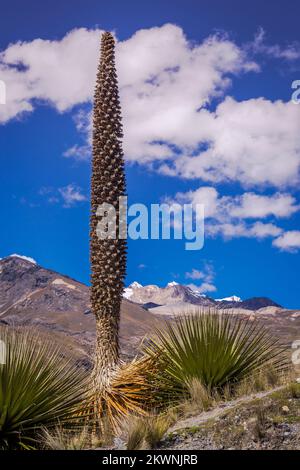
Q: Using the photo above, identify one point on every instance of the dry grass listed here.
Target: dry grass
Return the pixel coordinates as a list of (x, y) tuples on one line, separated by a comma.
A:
[(260, 422), (199, 399), (147, 432), (264, 379), (156, 429), (61, 439), (135, 434)]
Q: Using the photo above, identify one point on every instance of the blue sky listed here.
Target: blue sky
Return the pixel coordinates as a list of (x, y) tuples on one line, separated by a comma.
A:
[(207, 118)]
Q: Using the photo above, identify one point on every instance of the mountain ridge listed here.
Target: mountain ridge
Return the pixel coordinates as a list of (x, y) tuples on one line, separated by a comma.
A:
[(33, 295), (174, 292), (59, 306)]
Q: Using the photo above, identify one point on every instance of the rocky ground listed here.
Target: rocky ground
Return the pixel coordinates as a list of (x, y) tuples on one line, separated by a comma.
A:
[(266, 421)]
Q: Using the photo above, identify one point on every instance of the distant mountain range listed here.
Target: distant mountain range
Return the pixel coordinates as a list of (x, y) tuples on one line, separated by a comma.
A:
[(59, 306), (175, 293)]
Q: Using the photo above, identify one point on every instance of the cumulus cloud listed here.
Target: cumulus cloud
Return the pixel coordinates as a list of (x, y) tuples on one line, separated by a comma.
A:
[(78, 152), (236, 229), (206, 275), (195, 274), (68, 195), (248, 205), (251, 205), (239, 215), (167, 86), (167, 81), (150, 63), (60, 72), (164, 82), (288, 241), (255, 142), (71, 194), (203, 288)]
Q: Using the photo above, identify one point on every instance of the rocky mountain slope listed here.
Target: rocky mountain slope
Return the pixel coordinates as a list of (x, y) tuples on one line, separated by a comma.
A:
[(59, 306), (31, 294)]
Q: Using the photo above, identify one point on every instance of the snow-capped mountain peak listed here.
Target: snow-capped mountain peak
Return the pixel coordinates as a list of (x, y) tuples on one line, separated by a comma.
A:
[(232, 298), (174, 294), (26, 258), (135, 285), (172, 284), (129, 291)]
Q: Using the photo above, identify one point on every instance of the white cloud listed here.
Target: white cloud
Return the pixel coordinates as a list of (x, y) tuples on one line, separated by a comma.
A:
[(166, 87), (61, 72), (206, 195), (238, 229), (263, 230), (255, 142), (251, 205), (195, 274), (290, 52), (207, 276), (153, 64), (164, 80), (234, 216), (288, 241), (248, 205), (68, 195), (78, 152), (204, 288), (71, 194)]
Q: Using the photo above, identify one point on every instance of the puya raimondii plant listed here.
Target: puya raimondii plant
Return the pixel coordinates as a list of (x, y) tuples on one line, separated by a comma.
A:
[(108, 256)]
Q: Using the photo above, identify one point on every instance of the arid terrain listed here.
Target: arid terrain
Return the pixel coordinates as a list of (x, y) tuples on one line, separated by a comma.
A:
[(59, 306), (262, 421), (56, 304), (32, 295)]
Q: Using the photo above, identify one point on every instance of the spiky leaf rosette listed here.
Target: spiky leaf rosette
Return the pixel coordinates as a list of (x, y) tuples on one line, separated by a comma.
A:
[(40, 386), (216, 348), (108, 256)]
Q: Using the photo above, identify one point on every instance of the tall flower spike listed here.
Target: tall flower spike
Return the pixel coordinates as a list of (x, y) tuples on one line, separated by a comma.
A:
[(108, 257)]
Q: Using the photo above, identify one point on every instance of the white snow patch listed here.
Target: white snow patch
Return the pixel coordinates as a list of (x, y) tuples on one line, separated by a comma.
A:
[(232, 298), (135, 285), (196, 293), (128, 291), (26, 258), (172, 284)]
